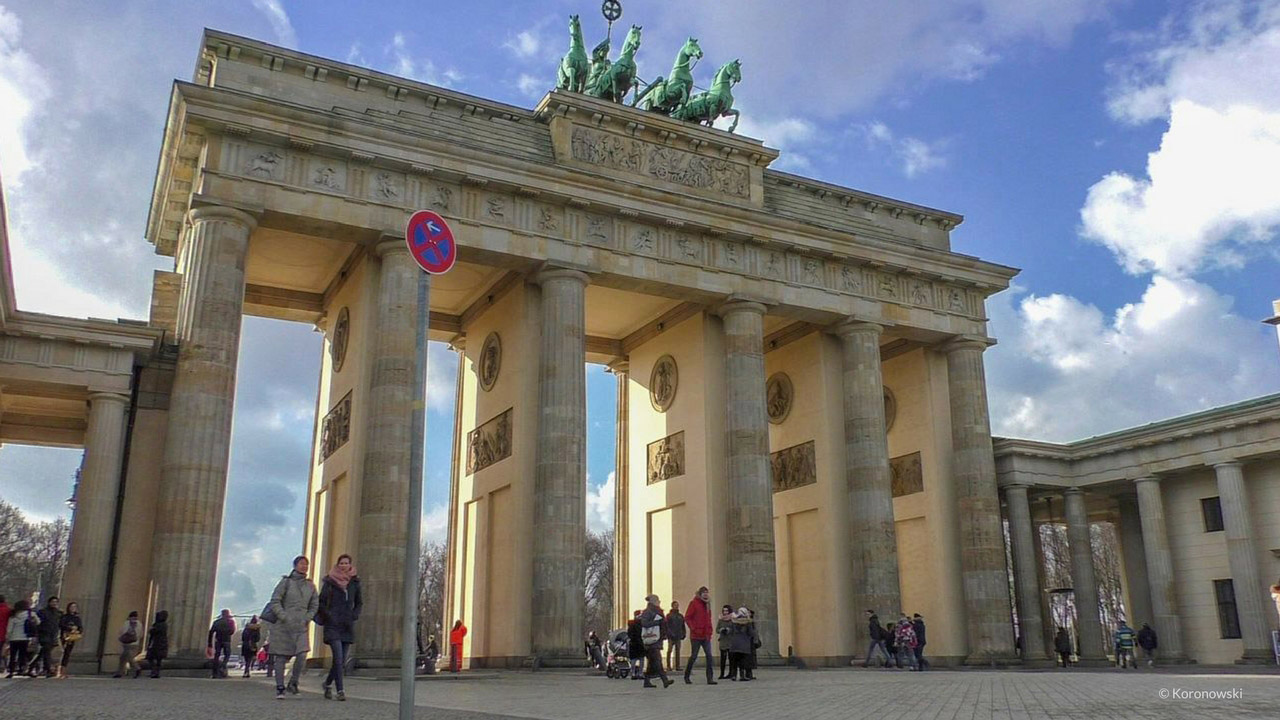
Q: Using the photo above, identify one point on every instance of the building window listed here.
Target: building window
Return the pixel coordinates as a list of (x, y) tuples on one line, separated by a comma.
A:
[(1212, 510), (1228, 621)]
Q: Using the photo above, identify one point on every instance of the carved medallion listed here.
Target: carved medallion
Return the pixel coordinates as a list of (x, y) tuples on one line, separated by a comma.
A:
[(335, 430), (794, 467), (341, 334), (890, 409), (663, 383), (665, 458), (908, 474), (490, 361), (778, 393), (489, 443)]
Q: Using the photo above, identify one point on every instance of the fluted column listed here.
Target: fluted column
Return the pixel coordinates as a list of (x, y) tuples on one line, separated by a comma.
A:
[(986, 584), (560, 475), (621, 487), (1242, 555), (458, 345), (1155, 543), (752, 573), (1025, 576), (197, 445), (384, 480), (872, 539), (93, 522), (1084, 579)]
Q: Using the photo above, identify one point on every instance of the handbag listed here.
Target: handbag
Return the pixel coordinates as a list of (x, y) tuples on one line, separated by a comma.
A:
[(651, 635), (72, 636), (269, 615)]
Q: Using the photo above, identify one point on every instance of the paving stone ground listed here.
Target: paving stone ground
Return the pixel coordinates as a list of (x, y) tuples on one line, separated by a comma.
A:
[(813, 695)]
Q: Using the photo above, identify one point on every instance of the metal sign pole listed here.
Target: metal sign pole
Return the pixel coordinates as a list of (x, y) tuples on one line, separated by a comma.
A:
[(417, 435)]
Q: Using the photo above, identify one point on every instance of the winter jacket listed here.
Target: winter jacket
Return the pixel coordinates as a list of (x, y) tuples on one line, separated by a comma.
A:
[(905, 636), (158, 637), (1062, 643), (70, 623), (742, 639), (698, 620), (1147, 638), (676, 625), (294, 602), (221, 631), (918, 626), (17, 632), (250, 636), (457, 634), (1124, 637), (339, 609), (874, 631), (635, 645), (5, 612), (724, 634), (50, 625)]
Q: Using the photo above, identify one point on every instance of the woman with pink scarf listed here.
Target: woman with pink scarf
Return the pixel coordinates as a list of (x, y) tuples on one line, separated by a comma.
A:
[(340, 604)]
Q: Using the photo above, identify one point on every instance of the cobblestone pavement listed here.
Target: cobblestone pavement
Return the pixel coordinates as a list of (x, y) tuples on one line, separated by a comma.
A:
[(814, 695)]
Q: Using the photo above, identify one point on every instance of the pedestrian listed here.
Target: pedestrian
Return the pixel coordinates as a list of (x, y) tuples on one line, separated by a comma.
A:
[(917, 622), (431, 655), (456, 636), (755, 645), (890, 646), (651, 626), (219, 646), (340, 605), (70, 630), (676, 632), (1147, 641), (904, 636), (1124, 646), (876, 635), (50, 631), (724, 638), (741, 640), (5, 612), (635, 646), (250, 636), (157, 644), (22, 629), (128, 638), (1062, 646), (594, 653), (698, 623), (293, 605)]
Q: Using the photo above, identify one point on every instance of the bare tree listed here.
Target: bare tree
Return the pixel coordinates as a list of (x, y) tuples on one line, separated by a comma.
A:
[(598, 599), (431, 589), (1106, 564), (33, 555)]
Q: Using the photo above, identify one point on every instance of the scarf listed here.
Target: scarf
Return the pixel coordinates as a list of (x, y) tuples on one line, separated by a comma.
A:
[(341, 579)]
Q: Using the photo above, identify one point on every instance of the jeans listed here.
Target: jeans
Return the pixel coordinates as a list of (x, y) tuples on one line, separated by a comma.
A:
[(46, 657), (673, 644), (339, 650), (909, 654), (127, 653), (653, 653), (154, 661), (1125, 658), (221, 654), (739, 665), (66, 653), (19, 657), (724, 663), (921, 663), (705, 646), (871, 649), (299, 662)]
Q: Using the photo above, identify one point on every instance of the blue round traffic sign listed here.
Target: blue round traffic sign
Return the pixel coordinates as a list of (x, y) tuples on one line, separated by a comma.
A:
[(431, 242)]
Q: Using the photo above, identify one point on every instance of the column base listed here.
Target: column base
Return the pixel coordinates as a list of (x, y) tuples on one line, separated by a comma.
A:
[(1174, 660), (559, 659), (1256, 657), (378, 661), (994, 660), (1039, 662), (1102, 661)]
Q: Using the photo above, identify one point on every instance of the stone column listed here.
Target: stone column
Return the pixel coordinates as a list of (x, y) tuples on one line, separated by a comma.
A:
[(458, 344), (1046, 609), (194, 470), (752, 572), (1088, 621), (621, 486), (93, 522), (1155, 543), (1025, 575), (384, 479), (1242, 555), (560, 475), (986, 583), (1136, 579), (872, 540)]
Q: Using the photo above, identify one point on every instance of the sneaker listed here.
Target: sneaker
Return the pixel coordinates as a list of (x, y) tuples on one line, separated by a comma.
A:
[(279, 693), (342, 696), (293, 688), (328, 692), (687, 681), (712, 682)]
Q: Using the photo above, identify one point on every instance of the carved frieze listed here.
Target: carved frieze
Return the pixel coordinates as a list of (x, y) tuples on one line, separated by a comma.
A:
[(779, 394), (665, 458), (335, 430), (908, 474), (794, 467), (489, 443), (663, 382), (668, 164)]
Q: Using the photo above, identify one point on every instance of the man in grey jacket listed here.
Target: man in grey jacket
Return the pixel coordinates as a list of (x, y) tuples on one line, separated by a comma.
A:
[(293, 603), (675, 634)]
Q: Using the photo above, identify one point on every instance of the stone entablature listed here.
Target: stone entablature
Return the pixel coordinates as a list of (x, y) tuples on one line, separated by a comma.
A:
[(1230, 432)]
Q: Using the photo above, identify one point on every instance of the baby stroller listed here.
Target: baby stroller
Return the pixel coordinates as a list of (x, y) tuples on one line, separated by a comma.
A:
[(617, 657)]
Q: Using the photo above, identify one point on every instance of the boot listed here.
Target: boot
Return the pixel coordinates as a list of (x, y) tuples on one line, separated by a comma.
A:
[(667, 682), (649, 684)]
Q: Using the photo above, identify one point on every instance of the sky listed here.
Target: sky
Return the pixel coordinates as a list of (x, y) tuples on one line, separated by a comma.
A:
[(1124, 154)]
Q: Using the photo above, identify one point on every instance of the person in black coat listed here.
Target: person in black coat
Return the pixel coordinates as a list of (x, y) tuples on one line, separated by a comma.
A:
[(635, 646), (49, 635), (157, 644), (340, 605), (1062, 646), (917, 623), (1147, 641)]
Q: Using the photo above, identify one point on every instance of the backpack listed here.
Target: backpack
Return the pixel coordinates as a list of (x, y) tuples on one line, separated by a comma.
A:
[(30, 626)]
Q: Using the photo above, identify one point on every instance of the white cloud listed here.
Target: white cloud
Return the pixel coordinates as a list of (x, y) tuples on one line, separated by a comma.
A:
[(442, 378), (404, 64), (600, 505), (279, 20), (23, 87), (913, 155), (524, 44), (435, 524), (531, 86), (793, 136)]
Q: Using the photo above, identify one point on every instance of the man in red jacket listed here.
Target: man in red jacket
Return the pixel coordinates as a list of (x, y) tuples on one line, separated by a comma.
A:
[(698, 619)]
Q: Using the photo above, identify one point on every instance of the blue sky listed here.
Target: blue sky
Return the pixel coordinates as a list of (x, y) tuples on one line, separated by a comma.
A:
[(1113, 150)]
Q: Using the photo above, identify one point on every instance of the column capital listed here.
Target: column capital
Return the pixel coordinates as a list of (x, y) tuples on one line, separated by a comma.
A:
[(854, 326), (736, 304), (1228, 464), (621, 366), (1016, 487), (390, 246), (458, 343), (1072, 492), (1152, 478), (206, 213), (105, 396), (559, 272), (967, 342)]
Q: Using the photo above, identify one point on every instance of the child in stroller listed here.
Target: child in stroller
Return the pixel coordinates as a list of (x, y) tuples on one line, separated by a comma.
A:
[(617, 660)]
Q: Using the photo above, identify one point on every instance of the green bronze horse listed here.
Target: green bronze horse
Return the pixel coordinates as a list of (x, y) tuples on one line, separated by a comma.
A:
[(718, 102), (664, 95), (572, 74), (614, 83)]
